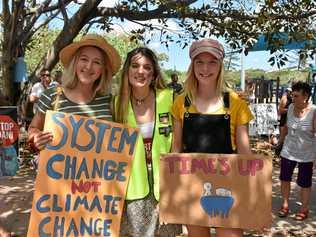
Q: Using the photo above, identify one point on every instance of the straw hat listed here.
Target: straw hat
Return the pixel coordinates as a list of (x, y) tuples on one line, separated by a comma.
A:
[(68, 52)]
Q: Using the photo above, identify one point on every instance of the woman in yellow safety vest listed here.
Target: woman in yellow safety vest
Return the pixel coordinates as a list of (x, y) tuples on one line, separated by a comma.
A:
[(144, 102)]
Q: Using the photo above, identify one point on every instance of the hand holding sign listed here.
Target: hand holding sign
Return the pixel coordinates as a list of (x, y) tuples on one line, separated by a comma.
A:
[(82, 180), (41, 139)]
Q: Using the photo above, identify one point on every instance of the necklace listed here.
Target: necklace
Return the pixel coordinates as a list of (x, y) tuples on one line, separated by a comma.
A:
[(141, 101), (300, 112)]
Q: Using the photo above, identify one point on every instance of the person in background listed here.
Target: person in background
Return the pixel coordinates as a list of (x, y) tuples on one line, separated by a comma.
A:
[(89, 67), (285, 101), (56, 79), (251, 88), (312, 72), (174, 85), (144, 102), (39, 87), (225, 115), (299, 149)]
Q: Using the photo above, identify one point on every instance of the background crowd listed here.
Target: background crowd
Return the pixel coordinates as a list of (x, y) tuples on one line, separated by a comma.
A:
[(169, 119)]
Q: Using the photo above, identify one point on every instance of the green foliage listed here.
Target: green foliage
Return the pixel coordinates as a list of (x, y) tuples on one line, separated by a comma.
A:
[(43, 39), (167, 75), (122, 44), (39, 45), (238, 23), (285, 75), (233, 77)]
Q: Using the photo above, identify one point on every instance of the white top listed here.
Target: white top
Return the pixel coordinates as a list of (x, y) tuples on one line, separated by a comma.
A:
[(300, 142), (146, 129), (37, 91)]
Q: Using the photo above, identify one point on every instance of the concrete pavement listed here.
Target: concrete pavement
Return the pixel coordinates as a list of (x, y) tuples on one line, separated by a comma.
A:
[(16, 200)]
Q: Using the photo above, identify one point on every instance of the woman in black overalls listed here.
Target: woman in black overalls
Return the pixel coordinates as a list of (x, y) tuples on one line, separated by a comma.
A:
[(206, 118)]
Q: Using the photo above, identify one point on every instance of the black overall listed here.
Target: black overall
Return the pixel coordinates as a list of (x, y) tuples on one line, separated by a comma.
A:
[(207, 133)]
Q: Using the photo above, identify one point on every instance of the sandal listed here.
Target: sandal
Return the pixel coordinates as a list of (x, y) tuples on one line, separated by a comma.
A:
[(301, 215), (283, 212)]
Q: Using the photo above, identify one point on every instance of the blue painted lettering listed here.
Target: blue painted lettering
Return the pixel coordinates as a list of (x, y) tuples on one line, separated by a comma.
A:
[(41, 225), (56, 208), (81, 201), (59, 227), (113, 138), (83, 168), (96, 204), (128, 139), (49, 166), (39, 203), (70, 167), (102, 127), (85, 228), (87, 127), (72, 228), (64, 133)]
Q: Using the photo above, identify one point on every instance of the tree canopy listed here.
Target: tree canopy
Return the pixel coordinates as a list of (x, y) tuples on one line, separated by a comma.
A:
[(238, 22)]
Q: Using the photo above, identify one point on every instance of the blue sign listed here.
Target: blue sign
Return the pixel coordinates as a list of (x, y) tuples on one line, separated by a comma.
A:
[(262, 43)]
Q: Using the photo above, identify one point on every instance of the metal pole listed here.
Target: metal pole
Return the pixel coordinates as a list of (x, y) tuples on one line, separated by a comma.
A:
[(242, 71)]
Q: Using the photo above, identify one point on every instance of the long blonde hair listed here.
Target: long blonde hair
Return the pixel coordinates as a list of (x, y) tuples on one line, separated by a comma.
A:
[(121, 105), (70, 80), (191, 83)]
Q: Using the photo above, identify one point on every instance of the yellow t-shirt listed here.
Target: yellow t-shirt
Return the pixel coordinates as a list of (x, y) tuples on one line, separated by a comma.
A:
[(239, 111)]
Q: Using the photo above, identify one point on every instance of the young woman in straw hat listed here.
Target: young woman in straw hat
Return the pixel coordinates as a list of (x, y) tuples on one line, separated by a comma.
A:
[(204, 112), (144, 102), (89, 67)]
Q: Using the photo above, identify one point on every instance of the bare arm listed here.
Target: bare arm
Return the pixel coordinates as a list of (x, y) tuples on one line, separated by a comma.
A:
[(177, 136), (35, 131), (283, 101), (33, 98), (242, 139), (283, 134)]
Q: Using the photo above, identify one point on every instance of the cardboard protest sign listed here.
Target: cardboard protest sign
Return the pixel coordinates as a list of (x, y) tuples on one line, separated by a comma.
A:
[(82, 177), (266, 119), (216, 190)]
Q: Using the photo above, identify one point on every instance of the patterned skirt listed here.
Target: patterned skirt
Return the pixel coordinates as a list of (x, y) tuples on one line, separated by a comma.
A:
[(140, 218)]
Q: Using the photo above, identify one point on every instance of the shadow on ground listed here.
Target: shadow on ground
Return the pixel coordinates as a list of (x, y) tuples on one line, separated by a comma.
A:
[(16, 195)]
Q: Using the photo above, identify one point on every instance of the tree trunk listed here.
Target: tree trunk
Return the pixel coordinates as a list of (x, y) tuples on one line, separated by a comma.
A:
[(7, 66), (11, 26), (66, 36), (10, 44)]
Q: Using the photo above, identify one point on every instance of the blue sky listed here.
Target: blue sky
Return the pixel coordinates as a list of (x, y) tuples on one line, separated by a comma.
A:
[(178, 57)]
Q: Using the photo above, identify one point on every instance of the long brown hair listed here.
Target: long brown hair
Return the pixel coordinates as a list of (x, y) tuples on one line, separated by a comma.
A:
[(121, 106)]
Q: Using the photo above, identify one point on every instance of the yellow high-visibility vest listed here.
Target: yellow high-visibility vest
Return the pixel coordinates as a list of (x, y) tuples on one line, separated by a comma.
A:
[(138, 185)]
